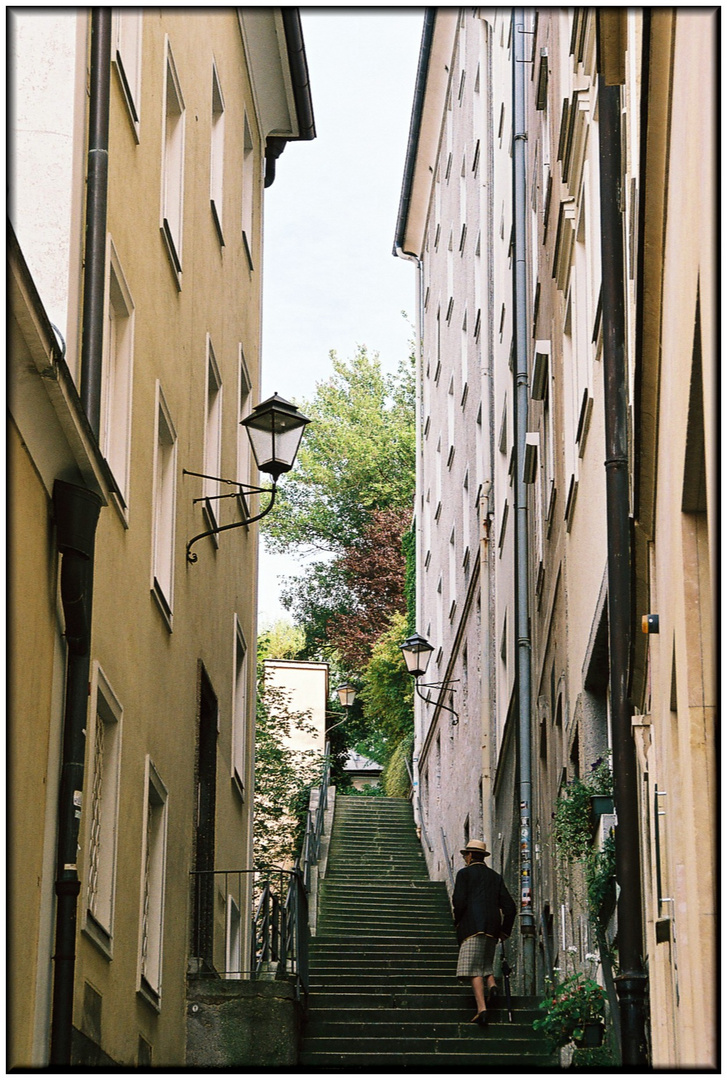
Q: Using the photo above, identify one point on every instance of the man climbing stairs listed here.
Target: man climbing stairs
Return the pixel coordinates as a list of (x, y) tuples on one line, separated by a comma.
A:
[(383, 992)]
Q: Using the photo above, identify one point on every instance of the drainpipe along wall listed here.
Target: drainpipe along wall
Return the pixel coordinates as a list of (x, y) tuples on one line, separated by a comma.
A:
[(631, 982), (76, 513), (96, 201), (520, 375)]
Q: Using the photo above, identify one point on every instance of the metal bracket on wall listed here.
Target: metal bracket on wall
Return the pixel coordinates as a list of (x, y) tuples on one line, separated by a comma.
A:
[(240, 491)]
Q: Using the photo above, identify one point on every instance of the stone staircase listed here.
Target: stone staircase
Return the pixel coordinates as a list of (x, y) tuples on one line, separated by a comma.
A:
[(383, 992)]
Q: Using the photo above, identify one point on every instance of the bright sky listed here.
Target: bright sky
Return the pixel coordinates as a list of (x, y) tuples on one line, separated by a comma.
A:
[(329, 278)]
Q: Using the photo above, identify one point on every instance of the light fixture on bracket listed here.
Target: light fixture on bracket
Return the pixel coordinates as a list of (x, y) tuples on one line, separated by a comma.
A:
[(417, 653), (346, 695), (275, 428)]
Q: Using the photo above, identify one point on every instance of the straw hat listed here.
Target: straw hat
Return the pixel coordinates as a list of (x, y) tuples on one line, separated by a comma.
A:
[(475, 845)]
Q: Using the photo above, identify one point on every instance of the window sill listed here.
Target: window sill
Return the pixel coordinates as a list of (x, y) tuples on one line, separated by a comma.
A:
[(218, 223), (237, 785), (158, 593), (149, 995), (127, 96), (171, 249), (248, 252), (211, 520), (98, 936)]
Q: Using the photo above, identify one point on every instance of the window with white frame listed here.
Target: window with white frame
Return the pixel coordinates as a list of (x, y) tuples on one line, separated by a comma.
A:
[(117, 375), (217, 152), (154, 857), (126, 33), (248, 188), (173, 164), (105, 739), (244, 389), (212, 435), (239, 709), (165, 484)]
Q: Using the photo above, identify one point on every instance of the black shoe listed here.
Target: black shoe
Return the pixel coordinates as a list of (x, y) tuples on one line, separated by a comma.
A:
[(482, 1019), (491, 995)]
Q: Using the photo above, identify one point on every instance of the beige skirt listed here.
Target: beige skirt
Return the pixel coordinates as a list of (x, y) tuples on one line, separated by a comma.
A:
[(476, 954)]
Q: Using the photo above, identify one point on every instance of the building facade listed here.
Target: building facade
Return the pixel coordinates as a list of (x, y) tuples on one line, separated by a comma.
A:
[(135, 353), (503, 213)]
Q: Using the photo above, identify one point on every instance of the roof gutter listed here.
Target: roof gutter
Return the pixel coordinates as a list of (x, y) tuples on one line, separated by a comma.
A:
[(413, 143), (297, 59)]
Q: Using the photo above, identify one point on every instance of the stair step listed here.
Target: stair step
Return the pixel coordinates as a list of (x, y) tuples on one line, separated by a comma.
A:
[(383, 992)]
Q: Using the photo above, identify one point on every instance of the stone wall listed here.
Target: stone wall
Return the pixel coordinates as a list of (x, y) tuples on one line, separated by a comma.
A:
[(233, 1023)]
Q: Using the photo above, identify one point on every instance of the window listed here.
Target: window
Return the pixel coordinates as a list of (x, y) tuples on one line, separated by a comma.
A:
[(244, 388), (117, 375), (212, 437), (126, 54), (239, 710), (248, 187), (153, 856), (164, 499), (217, 153), (173, 166), (105, 738)]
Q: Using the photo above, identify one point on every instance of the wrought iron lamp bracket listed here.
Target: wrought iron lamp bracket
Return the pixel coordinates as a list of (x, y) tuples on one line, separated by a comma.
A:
[(240, 490), (446, 684)]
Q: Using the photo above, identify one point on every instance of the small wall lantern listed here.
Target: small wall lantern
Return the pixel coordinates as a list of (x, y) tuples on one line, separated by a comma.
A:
[(417, 653)]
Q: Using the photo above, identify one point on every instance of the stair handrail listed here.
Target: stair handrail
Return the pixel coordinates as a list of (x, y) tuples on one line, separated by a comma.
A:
[(311, 847), (419, 805), (446, 858)]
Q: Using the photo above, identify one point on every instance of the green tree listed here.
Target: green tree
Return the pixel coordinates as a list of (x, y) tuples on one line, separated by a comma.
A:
[(281, 641), (282, 777), (387, 691), (358, 456)]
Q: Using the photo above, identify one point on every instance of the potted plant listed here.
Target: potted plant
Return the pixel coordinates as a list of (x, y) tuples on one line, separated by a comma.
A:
[(574, 1012)]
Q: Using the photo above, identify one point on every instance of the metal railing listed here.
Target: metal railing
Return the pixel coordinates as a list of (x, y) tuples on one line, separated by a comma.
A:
[(311, 849), (419, 806), (277, 899)]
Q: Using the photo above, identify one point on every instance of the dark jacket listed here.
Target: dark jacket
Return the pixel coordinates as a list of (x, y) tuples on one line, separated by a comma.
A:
[(481, 903)]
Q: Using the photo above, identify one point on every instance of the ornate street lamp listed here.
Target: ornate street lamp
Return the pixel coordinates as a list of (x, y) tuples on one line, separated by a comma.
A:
[(275, 428), (346, 694), (417, 653)]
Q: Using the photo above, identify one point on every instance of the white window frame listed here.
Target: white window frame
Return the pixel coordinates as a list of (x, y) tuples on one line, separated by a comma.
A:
[(164, 499), (244, 397), (248, 188), (240, 698), (217, 153), (117, 379), (105, 715), (172, 198), (153, 886), (126, 37), (212, 436)]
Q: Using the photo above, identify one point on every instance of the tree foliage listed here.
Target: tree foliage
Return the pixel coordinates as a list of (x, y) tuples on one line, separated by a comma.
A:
[(387, 691), (281, 641), (358, 456), (282, 777)]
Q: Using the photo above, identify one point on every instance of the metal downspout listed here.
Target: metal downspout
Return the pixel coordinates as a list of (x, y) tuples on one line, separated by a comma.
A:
[(631, 982), (76, 511), (520, 376), (96, 204)]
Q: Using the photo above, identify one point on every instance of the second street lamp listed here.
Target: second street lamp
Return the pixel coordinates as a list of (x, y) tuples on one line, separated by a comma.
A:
[(275, 428), (417, 653)]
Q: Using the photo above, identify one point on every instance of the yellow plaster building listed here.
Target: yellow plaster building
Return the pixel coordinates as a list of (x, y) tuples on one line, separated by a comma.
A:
[(135, 352)]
